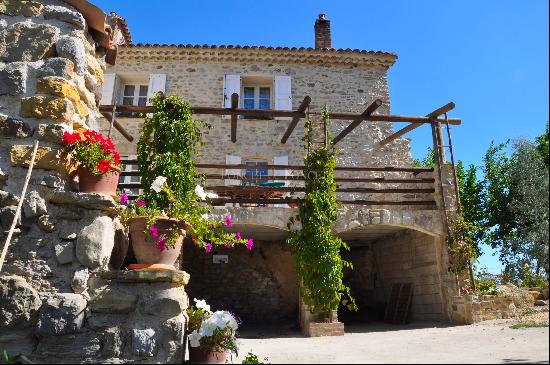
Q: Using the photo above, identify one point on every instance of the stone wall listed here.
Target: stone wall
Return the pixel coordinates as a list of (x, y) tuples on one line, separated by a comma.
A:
[(258, 286), (59, 301), (476, 308)]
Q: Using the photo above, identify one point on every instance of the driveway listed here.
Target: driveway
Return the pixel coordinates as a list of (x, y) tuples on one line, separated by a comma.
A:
[(486, 342)]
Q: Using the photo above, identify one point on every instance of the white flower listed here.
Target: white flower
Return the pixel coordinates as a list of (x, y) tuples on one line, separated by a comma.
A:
[(208, 327), (163, 213), (212, 195), (201, 304), (200, 192), (158, 183), (194, 339), (204, 216)]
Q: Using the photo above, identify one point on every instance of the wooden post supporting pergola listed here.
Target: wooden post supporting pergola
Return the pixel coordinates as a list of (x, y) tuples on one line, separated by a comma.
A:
[(303, 106), (371, 108)]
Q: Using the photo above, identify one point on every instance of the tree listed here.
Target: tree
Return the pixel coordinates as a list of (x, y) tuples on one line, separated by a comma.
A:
[(542, 146)]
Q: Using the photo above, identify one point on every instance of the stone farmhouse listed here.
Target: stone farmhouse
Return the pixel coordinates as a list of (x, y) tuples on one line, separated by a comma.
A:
[(65, 65), (390, 244)]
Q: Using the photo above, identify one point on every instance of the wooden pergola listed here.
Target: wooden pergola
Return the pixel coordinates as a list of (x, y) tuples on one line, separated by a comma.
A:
[(435, 119)]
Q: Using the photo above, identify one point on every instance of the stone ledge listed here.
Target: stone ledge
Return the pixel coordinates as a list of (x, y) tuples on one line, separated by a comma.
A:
[(84, 200), (148, 276), (320, 329)]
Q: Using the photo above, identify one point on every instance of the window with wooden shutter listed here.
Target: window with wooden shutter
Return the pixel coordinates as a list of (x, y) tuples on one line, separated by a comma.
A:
[(157, 82), (232, 160), (108, 89), (232, 84), (281, 160)]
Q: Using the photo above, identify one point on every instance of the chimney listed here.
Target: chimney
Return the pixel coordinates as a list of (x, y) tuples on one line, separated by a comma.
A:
[(322, 32)]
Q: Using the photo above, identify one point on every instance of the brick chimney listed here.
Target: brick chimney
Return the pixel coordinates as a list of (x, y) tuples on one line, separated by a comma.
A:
[(322, 32)]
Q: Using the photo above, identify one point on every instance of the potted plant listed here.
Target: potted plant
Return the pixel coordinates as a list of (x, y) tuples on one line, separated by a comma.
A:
[(98, 162), (174, 202), (212, 334)]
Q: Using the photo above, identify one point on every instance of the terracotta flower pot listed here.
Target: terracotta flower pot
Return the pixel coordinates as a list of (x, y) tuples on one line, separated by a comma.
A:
[(199, 355), (145, 245), (102, 184)]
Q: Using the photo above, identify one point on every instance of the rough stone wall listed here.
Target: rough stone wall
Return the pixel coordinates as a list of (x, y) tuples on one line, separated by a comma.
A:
[(476, 308), (411, 256), (54, 285), (258, 286), (340, 86)]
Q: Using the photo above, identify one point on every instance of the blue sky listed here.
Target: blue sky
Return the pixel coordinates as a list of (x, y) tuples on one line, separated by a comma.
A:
[(489, 57)]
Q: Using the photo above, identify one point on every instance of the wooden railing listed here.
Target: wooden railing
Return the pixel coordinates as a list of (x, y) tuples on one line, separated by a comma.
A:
[(246, 194)]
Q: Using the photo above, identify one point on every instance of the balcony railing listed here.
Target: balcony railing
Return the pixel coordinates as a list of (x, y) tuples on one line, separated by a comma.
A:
[(365, 186)]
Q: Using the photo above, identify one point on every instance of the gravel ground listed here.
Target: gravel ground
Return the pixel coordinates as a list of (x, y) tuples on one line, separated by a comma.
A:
[(486, 342)]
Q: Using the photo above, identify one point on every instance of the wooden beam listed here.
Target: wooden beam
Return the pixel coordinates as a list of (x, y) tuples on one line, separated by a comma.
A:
[(303, 106), (371, 108), (234, 105), (220, 201), (285, 113), (118, 126), (445, 108)]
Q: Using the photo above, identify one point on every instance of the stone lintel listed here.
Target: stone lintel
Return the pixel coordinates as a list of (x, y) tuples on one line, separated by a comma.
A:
[(149, 276)]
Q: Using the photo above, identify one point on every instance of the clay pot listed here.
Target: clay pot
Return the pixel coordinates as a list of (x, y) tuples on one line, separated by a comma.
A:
[(145, 245), (198, 355), (102, 184)]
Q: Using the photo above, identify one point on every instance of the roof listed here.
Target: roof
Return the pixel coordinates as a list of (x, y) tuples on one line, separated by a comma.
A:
[(123, 26), (249, 53)]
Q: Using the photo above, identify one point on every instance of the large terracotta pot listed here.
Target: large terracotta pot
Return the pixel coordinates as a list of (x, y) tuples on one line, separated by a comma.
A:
[(198, 355), (102, 184), (145, 245)]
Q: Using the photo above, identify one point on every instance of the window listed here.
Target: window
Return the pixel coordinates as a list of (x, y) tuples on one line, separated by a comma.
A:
[(134, 95), (133, 192), (256, 97), (254, 176)]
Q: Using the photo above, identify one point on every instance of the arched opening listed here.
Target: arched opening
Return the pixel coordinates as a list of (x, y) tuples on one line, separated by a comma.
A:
[(259, 285), (384, 255)]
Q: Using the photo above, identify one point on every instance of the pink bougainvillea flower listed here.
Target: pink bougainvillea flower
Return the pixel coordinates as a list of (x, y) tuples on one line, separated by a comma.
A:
[(229, 245), (140, 203), (123, 198), (228, 221), (249, 244), (192, 238), (208, 248), (161, 244), (154, 231), (238, 235)]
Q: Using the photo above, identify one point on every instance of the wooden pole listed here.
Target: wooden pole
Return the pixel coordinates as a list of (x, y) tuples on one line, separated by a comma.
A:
[(303, 106), (18, 210), (234, 105), (371, 108)]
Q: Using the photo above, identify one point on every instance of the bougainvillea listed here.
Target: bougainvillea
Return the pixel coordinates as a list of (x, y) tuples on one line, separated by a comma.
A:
[(91, 150)]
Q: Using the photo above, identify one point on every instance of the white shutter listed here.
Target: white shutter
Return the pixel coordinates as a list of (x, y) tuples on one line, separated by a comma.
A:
[(108, 89), (281, 160), (232, 160), (283, 93), (157, 82), (231, 85)]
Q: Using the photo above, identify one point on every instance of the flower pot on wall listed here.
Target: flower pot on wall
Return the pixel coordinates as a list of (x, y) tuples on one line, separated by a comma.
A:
[(145, 246), (198, 355), (102, 184)]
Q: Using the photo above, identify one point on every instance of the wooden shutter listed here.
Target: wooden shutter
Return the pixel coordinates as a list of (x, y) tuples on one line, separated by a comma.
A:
[(281, 160), (232, 84), (108, 89), (232, 160), (283, 93), (157, 82)]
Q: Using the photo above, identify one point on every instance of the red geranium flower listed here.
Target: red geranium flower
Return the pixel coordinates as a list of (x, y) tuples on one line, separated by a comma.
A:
[(69, 138), (104, 166)]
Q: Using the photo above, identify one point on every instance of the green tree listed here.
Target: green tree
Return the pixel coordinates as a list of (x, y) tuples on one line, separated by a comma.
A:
[(542, 146)]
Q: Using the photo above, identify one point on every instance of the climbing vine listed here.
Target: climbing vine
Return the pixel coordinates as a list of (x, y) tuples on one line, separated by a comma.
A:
[(315, 249)]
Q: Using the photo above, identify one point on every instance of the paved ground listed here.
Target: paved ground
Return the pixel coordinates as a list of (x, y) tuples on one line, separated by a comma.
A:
[(487, 342)]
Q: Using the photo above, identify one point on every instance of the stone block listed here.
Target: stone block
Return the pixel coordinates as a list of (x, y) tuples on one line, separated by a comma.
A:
[(535, 294), (58, 86), (73, 49), (7, 199), (170, 303), (14, 128), (46, 158), (56, 66), (95, 69), (63, 313), (321, 329), (95, 243), (51, 132), (112, 301), (13, 79), (46, 223), (6, 217), (48, 107), (27, 42), (70, 348), (64, 14), (82, 200), (540, 303), (18, 342), (34, 205), (144, 343), (79, 284), (20, 7), (19, 303), (64, 252)]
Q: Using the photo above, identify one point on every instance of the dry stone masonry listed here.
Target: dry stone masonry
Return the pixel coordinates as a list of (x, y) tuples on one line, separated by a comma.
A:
[(59, 300)]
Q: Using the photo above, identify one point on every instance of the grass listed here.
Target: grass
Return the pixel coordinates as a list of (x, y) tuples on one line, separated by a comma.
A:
[(521, 325)]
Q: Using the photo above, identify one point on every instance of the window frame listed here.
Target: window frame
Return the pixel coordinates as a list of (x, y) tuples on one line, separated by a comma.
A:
[(136, 96), (257, 98), (254, 179)]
